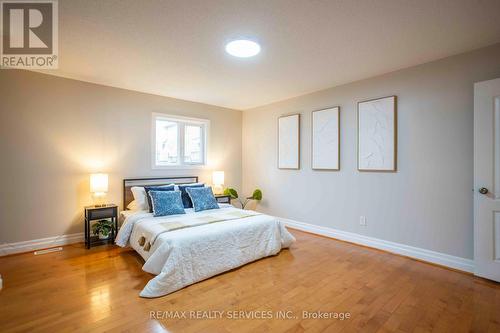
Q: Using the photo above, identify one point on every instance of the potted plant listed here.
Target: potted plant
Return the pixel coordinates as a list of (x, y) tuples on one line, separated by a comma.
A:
[(103, 228), (256, 195)]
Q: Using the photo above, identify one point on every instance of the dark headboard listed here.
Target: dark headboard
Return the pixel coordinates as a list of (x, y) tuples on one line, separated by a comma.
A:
[(128, 183)]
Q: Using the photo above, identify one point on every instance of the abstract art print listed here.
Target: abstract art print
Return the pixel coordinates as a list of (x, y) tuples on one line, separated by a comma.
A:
[(289, 142), (377, 134), (326, 139)]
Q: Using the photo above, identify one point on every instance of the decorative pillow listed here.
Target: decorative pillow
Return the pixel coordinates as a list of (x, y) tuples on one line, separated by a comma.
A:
[(140, 197), (156, 188), (202, 198), (186, 200), (166, 203)]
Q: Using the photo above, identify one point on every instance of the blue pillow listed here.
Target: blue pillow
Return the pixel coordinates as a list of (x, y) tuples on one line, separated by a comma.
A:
[(156, 188), (186, 200), (166, 203), (202, 198)]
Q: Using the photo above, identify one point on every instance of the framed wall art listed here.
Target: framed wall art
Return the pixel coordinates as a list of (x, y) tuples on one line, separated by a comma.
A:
[(377, 134), (325, 139), (289, 142)]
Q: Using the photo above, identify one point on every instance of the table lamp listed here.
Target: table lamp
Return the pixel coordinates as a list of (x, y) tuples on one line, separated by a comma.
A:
[(99, 187), (218, 181)]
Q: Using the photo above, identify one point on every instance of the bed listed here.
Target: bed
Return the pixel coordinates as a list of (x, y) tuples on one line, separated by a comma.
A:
[(209, 243)]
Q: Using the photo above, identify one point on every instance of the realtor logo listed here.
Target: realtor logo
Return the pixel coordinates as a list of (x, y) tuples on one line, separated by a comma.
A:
[(29, 34)]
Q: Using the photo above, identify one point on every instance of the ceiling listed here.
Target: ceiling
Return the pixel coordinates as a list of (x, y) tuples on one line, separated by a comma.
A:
[(176, 48)]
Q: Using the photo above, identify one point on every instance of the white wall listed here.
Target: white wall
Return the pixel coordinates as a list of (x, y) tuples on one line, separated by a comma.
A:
[(56, 131), (428, 202)]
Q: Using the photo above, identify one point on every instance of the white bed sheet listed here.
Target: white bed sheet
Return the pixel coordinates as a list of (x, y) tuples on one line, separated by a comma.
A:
[(185, 256)]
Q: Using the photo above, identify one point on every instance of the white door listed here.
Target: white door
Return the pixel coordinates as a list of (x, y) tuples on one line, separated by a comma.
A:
[(487, 179)]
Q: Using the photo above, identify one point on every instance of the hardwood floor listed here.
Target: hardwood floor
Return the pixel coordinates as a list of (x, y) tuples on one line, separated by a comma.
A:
[(82, 290)]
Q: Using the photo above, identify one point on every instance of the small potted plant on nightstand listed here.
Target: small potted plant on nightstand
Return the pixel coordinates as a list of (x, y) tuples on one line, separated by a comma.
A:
[(103, 228), (256, 195)]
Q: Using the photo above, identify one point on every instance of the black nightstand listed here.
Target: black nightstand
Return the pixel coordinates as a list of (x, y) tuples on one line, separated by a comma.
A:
[(221, 198), (93, 213)]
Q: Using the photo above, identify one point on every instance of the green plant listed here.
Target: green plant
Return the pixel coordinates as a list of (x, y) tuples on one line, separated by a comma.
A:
[(256, 195), (103, 227)]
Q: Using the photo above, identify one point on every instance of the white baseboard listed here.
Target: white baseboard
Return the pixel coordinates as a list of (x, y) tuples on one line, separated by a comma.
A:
[(434, 257), (42, 243)]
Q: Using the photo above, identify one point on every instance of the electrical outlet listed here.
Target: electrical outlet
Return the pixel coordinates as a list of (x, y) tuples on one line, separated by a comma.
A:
[(362, 220)]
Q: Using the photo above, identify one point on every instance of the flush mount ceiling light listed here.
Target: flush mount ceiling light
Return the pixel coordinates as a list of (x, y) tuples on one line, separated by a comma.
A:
[(242, 48)]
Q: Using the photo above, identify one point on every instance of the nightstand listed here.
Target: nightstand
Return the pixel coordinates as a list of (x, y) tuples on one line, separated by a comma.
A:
[(221, 198), (93, 213)]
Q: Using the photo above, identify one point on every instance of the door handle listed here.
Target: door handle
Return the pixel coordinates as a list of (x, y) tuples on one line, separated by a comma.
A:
[(483, 190)]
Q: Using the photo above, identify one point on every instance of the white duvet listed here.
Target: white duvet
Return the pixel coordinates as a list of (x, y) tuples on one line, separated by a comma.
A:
[(185, 256)]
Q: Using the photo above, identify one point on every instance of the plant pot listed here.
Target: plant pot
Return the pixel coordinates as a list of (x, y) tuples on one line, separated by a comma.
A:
[(101, 236)]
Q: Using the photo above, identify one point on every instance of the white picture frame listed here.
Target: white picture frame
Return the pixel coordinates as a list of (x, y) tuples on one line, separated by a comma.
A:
[(289, 142), (325, 140), (377, 134)]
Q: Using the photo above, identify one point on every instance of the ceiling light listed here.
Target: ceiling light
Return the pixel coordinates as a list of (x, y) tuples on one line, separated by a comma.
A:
[(242, 48)]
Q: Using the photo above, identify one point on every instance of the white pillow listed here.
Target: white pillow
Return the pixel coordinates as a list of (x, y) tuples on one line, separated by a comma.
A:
[(133, 205), (141, 202)]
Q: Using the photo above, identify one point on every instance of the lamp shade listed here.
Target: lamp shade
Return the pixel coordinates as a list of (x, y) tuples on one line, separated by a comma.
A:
[(218, 178), (99, 183)]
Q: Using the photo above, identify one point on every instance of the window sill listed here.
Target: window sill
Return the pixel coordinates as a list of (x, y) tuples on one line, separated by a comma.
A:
[(178, 167)]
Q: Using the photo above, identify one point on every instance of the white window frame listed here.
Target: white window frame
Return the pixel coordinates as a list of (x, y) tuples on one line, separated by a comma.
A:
[(182, 121)]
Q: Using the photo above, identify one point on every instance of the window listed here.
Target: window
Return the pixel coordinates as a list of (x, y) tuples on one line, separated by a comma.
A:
[(179, 141)]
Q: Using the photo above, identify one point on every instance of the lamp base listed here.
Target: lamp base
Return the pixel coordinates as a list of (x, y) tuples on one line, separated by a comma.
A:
[(218, 190), (99, 200)]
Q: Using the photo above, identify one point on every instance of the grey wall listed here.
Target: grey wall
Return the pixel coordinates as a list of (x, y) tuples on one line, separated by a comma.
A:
[(428, 202), (55, 131)]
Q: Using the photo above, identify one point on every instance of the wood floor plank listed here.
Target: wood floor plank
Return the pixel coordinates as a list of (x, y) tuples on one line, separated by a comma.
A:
[(97, 290)]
